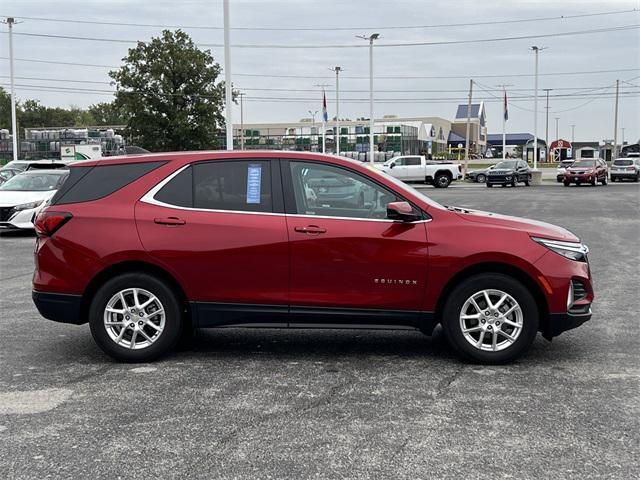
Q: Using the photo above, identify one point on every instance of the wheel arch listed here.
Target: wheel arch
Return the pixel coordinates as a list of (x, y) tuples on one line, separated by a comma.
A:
[(443, 172), (497, 267), (129, 266)]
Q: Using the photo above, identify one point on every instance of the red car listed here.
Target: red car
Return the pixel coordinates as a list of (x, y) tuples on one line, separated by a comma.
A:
[(144, 248), (589, 170)]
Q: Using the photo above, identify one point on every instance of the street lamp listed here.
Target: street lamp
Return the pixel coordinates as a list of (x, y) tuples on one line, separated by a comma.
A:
[(536, 50), (370, 38)]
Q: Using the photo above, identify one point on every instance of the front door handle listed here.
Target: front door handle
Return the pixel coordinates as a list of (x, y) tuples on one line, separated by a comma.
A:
[(171, 221), (311, 229)]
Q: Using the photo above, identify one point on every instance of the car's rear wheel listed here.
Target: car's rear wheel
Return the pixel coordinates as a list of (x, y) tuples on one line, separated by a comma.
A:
[(481, 178), (135, 317), (442, 180), (490, 318)]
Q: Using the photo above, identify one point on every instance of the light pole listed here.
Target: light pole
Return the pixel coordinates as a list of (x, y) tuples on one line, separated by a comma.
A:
[(241, 95), (546, 135), (536, 51), (313, 120), (337, 70), (573, 134), (557, 118), (622, 144), (14, 128), (227, 77), (370, 38)]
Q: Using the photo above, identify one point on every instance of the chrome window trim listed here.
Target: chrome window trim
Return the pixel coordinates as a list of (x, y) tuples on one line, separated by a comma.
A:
[(149, 199)]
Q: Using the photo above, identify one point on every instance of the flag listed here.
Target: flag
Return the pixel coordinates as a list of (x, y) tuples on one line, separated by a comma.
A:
[(324, 107), (506, 109)]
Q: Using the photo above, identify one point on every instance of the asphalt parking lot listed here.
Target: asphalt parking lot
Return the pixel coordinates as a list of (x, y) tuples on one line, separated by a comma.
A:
[(338, 404)]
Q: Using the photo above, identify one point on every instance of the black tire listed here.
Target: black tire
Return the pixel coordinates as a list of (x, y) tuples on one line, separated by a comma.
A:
[(566, 184), (442, 180), (527, 183), (594, 181), (604, 180), (637, 179), (489, 185), (514, 182), (481, 178), (163, 292), (485, 281)]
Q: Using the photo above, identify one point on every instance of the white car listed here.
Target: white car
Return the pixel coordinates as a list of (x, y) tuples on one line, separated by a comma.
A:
[(23, 195), (561, 168), (418, 168)]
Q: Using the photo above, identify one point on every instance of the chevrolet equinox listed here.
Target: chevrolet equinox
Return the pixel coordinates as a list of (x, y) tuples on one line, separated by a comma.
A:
[(144, 248)]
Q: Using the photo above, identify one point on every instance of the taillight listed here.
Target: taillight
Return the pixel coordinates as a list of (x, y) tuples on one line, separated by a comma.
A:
[(48, 222)]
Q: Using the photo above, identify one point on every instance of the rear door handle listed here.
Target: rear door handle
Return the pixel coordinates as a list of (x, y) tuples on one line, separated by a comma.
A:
[(173, 221), (311, 229)]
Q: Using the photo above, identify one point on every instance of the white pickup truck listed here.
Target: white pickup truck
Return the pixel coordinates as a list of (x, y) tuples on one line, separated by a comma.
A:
[(418, 168)]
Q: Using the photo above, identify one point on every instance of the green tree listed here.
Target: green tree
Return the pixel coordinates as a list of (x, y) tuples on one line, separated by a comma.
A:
[(167, 90), (5, 109), (107, 113)]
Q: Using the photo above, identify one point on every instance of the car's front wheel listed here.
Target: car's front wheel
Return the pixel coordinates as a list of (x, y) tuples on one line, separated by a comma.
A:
[(135, 317), (481, 178), (490, 318)]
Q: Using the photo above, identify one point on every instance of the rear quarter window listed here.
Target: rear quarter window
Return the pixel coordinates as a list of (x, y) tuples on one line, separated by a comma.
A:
[(85, 184)]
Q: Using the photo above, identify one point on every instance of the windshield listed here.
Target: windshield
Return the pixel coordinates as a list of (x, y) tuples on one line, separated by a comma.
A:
[(565, 163), (33, 182), (506, 165), (403, 187), (584, 163), (623, 162)]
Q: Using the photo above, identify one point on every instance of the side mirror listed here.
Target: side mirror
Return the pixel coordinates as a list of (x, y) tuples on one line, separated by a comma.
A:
[(391, 165), (402, 212)]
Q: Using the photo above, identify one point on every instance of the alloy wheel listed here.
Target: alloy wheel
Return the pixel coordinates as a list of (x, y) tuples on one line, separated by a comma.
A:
[(134, 318), (491, 320)]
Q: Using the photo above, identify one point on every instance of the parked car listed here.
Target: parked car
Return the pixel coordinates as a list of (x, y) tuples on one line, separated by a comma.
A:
[(561, 168), (418, 168), (47, 164), (145, 247), (509, 172), (7, 173), (23, 194), (622, 168), (591, 170), (479, 176)]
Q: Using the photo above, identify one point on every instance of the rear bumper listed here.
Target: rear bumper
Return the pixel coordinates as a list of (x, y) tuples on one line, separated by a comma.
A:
[(59, 307), (629, 175), (561, 322)]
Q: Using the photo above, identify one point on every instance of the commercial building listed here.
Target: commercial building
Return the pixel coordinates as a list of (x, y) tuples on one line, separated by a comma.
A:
[(477, 128), (398, 135)]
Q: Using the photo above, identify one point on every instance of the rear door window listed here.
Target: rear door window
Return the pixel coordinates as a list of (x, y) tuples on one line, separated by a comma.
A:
[(235, 185)]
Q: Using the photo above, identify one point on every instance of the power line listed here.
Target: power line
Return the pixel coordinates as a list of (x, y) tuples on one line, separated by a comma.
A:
[(352, 77), (268, 89), (311, 29), (357, 45)]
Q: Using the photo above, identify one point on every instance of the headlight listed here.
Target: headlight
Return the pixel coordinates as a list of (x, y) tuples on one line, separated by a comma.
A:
[(27, 206), (571, 250)]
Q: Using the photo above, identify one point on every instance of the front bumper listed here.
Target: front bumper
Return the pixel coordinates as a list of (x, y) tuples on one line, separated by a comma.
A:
[(22, 219), (561, 322), (500, 180), (59, 307), (579, 177)]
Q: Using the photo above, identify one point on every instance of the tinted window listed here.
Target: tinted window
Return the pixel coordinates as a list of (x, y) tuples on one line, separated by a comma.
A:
[(233, 185), (511, 164), (584, 163), (623, 163), (91, 183), (179, 190), (336, 192), (33, 182), (412, 161)]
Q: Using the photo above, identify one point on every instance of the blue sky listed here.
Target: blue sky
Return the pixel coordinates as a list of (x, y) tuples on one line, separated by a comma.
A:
[(416, 96)]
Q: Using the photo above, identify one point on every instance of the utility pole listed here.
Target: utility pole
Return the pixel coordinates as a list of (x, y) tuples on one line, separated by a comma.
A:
[(546, 136), (622, 142), (337, 70), (14, 127), (241, 95), (615, 124), (227, 77), (557, 118), (370, 38), (466, 141), (313, 121)]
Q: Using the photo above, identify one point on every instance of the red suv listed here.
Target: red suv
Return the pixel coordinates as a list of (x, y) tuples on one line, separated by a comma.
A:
[(589, 170), (143, 248)]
